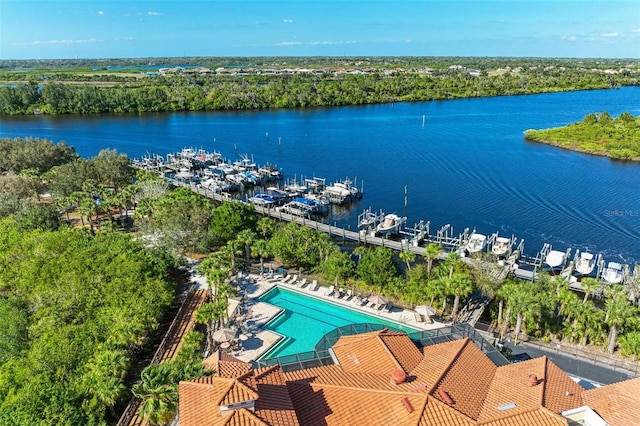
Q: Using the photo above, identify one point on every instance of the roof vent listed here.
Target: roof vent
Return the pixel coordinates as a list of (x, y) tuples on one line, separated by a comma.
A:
[(398, 376), (445, 397), (533, 380), (407, 404)]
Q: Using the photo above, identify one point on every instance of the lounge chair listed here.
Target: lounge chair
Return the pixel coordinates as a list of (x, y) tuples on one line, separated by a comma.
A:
[(364, 301), (388, 307), (338, 294), (293, 280), (349, 295), (301, 283), (419, 318), (313, 286), (330, 290), (286, 279)]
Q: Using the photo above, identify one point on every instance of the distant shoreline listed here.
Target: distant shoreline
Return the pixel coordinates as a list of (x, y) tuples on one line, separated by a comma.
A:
[(598, 134)]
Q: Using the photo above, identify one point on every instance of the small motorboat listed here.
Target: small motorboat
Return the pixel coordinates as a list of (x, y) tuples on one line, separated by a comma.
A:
[(476, 243), (262, 199), (501, 246), (554, 258), (390, 225), (585, 263), (612, 273)]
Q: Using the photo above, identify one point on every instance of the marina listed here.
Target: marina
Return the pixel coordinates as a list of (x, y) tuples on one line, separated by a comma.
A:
[(294, 202), (468, 166)]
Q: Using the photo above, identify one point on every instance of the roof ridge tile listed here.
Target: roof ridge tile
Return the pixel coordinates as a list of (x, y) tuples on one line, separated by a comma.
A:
[(446, 370)]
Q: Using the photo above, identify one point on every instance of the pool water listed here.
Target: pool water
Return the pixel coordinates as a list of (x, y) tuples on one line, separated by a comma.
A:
[(306, 319)]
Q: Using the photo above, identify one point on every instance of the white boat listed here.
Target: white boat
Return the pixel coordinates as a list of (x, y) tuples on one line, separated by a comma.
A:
[(390, 225), (612, 273), (295, 209), (476, 243), (262, 199), (294, 189), (554, 258), (368, 219), (337, 193), (501, 246), (585, 263)]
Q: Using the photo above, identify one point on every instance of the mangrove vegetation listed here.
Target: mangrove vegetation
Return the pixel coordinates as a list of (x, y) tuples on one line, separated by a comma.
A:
[(597, 134)]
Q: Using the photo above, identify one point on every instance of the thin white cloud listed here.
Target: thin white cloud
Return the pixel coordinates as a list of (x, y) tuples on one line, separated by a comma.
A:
[(152, 13), (289, 43), (41, 42), (101, 12), (331, 43), (569, 38), (637, 30), (610, 35), (288, 21), (408, 40)]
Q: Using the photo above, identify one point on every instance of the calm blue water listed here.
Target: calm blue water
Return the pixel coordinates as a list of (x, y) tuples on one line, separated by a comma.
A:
[(468, 166), (307, 319)]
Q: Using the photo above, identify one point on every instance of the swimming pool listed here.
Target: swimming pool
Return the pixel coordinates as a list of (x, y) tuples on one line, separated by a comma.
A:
[(306, 319)]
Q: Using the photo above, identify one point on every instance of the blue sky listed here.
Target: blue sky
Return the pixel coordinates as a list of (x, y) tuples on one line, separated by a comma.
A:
[(59, 29)]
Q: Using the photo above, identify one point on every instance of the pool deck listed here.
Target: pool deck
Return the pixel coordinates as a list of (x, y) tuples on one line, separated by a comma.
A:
[(258, 341)]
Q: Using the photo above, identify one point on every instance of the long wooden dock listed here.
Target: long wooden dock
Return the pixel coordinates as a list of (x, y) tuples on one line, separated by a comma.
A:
[(338, 232)]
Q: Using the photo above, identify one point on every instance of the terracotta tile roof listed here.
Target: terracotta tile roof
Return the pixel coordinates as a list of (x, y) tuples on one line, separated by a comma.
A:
[(274, 404), (618, 404), (225, 365), (242, 417), (474, 390), (436, 359), (200, 400), (534, 417), (439, 413), (554, 391), (195, 404), (560, 391), (467, 380), (376, 352), (318, 404)]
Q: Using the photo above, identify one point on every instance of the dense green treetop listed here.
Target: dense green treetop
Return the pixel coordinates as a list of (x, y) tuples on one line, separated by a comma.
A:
[(67, 301), (258, 83), (39, 155), (598, 134)]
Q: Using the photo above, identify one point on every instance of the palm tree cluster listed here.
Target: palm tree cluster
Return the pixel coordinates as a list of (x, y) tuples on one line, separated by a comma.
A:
[(548, 309)]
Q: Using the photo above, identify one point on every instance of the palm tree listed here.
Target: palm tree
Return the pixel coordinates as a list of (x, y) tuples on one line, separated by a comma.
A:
[(431, 252), (590, 286), (453, 261), (108, 390), (503, 294), (159, 393), (407, 256), (266, 226), (246, 237), (209, 314), (461, 286), (522, 301), (618, 311), (260, 248)]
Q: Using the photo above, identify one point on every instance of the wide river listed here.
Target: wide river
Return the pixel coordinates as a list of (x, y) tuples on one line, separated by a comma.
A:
[(463, 162)]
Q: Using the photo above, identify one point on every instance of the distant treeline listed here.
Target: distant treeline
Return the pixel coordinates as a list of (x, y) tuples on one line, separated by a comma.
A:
[(407, 62), (91, 92), (597, 134)]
